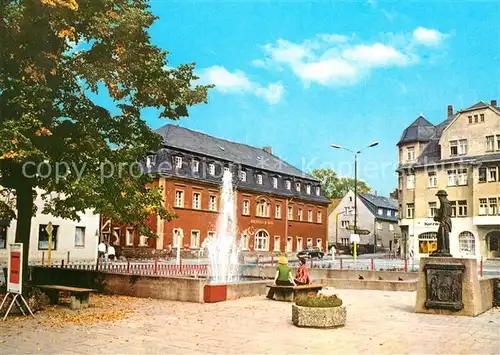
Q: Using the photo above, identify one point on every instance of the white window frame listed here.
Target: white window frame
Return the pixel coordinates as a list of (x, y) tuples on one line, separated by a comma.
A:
[(77, 228), (195, 233), (483, 206), (244, 242), (176, 238), (319, 217), (462, 147), (212, 203), (276, 246), (258, 179), (262, 208), (178, 162), (319, 243), (432, 179), (299, 214), (452, 177), (410, 153), (492, 171), (179, 198), (388, 213), (196, 166), (454, 144), (211, 169), (196, 201), (275, 182), (308, 189), (290, 213), (490, 143), (129, 236), (492, 206), (410, 210), (467, 243), (277, 214), (288, 184), (150, 161), (309, 243), (380, 211), (261, 242), (462, 209), (309, 216), (410, 181), (246, 207), (289, 244), (391, 227), (318, 190), (297, 186), (379, 226), (243, 175), (300, 243), (462, 177), (432, 209)]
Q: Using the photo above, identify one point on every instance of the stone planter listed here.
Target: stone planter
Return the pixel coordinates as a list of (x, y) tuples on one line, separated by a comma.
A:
[(214, 293), (317, 317)]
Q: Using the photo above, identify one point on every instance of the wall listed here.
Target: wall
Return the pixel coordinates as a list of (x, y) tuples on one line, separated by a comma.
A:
[(404, 286), (65, 237)]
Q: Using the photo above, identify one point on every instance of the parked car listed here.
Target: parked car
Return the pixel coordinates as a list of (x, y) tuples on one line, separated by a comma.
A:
[(311, 253)]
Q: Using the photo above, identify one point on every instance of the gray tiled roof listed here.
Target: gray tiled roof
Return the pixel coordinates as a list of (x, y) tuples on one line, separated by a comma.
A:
[(194, 141), (373, 203), (420, 130)]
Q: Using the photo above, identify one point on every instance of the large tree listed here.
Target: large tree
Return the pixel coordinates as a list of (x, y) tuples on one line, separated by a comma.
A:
[(334, 186), (58, 59)]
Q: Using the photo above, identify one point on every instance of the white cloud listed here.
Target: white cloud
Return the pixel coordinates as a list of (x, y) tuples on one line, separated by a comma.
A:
[(238, 82), (428, 37), (375, 55), (334, 38), (327, 71), (259, 63)]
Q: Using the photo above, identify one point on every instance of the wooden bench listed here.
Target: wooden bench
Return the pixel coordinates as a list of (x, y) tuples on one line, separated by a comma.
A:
[(287, 293), (79, 296)]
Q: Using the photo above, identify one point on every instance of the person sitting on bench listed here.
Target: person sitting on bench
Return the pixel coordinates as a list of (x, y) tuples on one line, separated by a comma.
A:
[(283, 276), (302, 277)]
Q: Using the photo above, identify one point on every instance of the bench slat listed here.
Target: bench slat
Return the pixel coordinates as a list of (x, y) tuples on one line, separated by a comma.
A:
[(67, 288)]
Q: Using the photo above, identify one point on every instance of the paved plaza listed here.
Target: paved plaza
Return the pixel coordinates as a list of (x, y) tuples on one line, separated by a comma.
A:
[(377, 323)]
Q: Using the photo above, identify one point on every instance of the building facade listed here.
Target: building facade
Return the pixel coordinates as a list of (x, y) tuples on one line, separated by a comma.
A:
[(377, 216), (462, 156), (75, 241), (277, 207)]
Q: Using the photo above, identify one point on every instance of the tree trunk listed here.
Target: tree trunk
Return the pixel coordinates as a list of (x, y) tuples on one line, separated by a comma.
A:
[(24, 204)]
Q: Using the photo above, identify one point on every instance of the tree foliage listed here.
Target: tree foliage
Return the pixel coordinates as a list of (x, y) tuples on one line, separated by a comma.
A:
[(56, 56), (335, 186)]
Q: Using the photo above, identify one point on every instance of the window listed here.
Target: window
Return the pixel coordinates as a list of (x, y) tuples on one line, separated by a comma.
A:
[(379, 226), (310, 216), (391, 227), (297, 186), (492, 174), (462, 208), (410, 153), (79, 237), (470, 119), (318, 217), (3, 237), (482, 174), (309, 242), (288, 185), (261, 241), (244, 242), (177, 240), (276, 243), (129, 236), (243, 176), (453, 148), (344, 224), (179, 198), (246, 207), (462, 147), (308, 189), (300, 244), (427, 242), (143, 241), (462, 177), (195, 239), (212, 203), (262, 208), (490, 143), (350, 198), (452, 177), (388, 214), (289, 244), (299, 214), (196, 166), (410, 181), (410, 210), (259, 179), (380, 211), (482, 117), (211, 235), (318, 190), (43, 237), (151, 160), (290, 213), (432, 209), (227, 169), (275, 182), (476, 120), (319, 243), (178, 162), (483, 206), (493, 206), (196, 200), (467, 243), (277, 214), (211, 169), (498, 141)]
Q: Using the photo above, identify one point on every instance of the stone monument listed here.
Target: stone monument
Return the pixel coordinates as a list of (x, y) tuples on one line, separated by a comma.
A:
[(448, 285)]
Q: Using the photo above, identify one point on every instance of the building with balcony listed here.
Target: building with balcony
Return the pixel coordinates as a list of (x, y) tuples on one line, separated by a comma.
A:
[(278, 207), (377, 217), (462, 156)]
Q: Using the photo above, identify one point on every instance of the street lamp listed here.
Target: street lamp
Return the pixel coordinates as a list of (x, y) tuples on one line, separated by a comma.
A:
[(336, 146)]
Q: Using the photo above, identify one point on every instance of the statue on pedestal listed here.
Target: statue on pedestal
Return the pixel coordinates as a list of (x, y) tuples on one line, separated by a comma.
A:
[(444, 219)]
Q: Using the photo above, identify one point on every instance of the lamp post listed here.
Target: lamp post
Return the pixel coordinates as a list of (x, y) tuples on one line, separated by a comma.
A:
[(336, 146)]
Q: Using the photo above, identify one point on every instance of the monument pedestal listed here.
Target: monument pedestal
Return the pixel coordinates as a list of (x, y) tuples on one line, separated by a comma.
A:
[(449, 286)]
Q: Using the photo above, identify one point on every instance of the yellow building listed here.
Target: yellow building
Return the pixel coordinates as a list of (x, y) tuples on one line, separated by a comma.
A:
[(462, 156)]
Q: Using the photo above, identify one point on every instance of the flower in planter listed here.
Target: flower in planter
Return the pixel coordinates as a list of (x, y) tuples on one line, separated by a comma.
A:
[(321, 301)]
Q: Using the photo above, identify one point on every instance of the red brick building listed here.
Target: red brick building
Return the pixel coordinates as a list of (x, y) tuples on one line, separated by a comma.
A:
[(278, 207)]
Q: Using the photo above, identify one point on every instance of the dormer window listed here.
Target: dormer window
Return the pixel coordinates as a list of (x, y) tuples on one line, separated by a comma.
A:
[(226, 168), (259, 179), (275, 182), (308, 189), (243, 175), (411, 153), (380, 212), (297, 186), (211, 169), (178, 162), (196, 166), (318, 190), (288, 185), (150, 160)]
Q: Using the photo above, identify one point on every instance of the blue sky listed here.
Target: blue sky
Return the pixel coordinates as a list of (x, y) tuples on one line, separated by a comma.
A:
[(300, 75)]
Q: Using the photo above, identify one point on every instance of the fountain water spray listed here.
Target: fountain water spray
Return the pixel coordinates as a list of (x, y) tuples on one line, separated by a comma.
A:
[(223, 249)]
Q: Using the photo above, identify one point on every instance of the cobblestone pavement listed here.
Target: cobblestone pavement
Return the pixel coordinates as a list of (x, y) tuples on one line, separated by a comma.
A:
[(377, 323)]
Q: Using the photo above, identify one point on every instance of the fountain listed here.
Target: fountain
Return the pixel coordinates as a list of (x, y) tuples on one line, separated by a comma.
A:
[(223, 248)]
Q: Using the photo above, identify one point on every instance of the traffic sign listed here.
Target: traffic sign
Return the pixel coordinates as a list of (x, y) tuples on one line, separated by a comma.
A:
[(354, 238), (363, 231)]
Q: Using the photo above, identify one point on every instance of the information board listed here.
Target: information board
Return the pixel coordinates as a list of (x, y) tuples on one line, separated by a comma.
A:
[(15, 275)]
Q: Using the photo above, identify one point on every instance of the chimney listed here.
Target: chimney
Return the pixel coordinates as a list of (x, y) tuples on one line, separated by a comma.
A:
[(450, 110), (494, 103), (268, 149)]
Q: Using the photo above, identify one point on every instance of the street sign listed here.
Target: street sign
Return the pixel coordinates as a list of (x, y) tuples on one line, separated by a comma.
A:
[(363, 232), (354, 238), (15, 276)]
